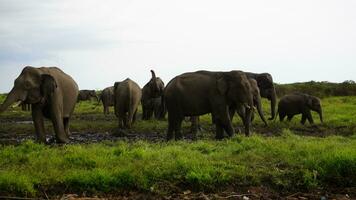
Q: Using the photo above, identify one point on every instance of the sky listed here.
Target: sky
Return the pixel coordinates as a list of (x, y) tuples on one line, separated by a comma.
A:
[(100, 42)]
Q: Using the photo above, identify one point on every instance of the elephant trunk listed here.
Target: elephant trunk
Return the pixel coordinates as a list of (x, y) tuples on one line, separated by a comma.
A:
[(273, 103), (13, 96), (260, 111), (153, 74), (321, 116), (248, 115)]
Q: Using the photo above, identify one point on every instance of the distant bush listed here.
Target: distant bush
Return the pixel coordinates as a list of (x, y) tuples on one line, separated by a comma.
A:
[(319, 89)]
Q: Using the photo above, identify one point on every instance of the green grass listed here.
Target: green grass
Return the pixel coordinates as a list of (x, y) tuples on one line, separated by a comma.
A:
[(288, 162), (285, 162)]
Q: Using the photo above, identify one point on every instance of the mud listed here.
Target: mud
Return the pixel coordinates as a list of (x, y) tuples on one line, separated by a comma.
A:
[(15, 137)]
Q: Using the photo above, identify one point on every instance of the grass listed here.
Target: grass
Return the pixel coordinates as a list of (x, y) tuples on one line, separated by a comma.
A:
[(287, 162)]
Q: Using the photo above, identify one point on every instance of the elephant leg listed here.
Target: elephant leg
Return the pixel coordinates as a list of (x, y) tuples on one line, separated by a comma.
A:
[(178, 128), (309, 117), (144, 112), (37, 117), (57, 121), (171, 122), (282, 115), (195, 125), (58, 125), (304, 118), (219, 130), (150, 113), (134, 117), (105, 110), (290, 117), (232, 110), (66, 126), (125, 120)]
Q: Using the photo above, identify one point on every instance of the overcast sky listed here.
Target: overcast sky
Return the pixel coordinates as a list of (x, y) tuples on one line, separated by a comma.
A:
[(100, 42)]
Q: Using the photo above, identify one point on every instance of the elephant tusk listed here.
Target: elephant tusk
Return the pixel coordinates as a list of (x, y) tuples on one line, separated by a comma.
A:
[(16, 104)]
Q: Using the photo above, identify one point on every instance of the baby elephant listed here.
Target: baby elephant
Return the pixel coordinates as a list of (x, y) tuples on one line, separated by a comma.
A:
[(299, 103)]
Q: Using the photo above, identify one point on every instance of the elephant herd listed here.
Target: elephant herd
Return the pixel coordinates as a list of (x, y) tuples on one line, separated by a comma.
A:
[(53, 94)]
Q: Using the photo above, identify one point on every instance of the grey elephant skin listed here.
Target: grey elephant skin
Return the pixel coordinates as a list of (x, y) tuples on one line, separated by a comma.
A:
[(267, 89), (107, 98), (152, 98), (51, 93), (299, 103), (241, 111), (127, 96), (86, 95), (202, 92)]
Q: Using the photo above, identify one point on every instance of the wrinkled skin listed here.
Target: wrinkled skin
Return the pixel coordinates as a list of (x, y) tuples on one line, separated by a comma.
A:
[(51, 93), (86, 95), (256, 102), (127, 96), (299, 103), (107, 98), (152, 98), (202, 92), (267, 89)]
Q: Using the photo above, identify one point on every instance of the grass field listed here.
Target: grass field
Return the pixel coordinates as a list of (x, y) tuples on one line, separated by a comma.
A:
[(286, 157)]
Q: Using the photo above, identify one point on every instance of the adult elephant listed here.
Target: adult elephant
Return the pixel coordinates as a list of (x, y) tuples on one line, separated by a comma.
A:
[(202, 92), (127, 96), (52, 94), (152, 97), (267, 89), (299, 103), (86, 95), (107, 98)]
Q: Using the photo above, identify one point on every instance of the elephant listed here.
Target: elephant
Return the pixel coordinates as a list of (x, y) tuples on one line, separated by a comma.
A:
[(299, 103), (86, 95), (152, 98), (127, 96), (267, 89), (107, 97), (201, 92), (51, 93), (195, 125), (256, 102)]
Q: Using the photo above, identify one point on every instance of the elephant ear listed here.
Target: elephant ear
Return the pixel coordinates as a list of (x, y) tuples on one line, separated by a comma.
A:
[(309, 101), (48, 84), (222, 85)]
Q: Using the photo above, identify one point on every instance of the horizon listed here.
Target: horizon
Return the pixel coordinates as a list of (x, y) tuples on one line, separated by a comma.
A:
[(98, 43)]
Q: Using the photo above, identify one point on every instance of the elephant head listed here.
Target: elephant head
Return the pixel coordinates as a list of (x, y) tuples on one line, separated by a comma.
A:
[(27, 88), (155, 85), (314, 104), (237, 88), (267, 89)]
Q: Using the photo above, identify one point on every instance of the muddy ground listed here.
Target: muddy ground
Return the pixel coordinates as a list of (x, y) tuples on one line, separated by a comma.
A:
[(88, 136)]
